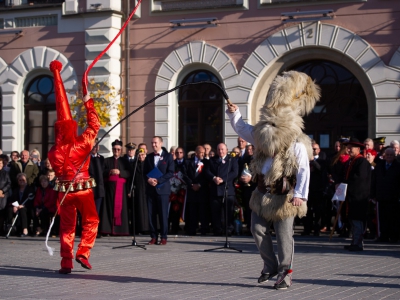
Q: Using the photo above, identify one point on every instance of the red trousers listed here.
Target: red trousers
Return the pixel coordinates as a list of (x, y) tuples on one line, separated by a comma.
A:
[(84, 203)]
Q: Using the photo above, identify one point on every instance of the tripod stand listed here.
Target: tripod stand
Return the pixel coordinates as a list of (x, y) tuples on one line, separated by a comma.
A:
[(227, 245), (132, 193)]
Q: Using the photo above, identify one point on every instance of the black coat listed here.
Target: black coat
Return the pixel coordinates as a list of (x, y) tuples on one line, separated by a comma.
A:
[(96, 169), (229, 169), (358, 189), (5, 186), (386, 183)]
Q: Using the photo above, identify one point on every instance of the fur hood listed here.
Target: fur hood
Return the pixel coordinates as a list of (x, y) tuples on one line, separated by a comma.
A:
[(292, 89)]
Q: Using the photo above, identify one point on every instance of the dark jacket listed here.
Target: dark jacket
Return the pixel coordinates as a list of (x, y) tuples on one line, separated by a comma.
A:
[(5, 186), (167, 168), (194, 177), (96, 169), (358, 189), (228, 170), (386, 183)]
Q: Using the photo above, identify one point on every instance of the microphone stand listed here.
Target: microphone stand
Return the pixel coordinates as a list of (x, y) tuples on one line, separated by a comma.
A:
[(227, 245), (133, 212)]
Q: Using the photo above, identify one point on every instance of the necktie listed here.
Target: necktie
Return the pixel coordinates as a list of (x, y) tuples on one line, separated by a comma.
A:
[(387, 166), (156, 154)]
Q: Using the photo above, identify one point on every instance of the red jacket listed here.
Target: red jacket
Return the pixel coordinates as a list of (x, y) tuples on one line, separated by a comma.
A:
[(46, 198)]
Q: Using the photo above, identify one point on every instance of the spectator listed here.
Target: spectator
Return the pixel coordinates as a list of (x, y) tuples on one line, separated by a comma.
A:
[(51, 176), (247, 185), (396, 147), (140, 202), (45, 205), (237, 152), (370, 155), (368, 144), (315, 203), (96, 169), (158, 189), (379, 144), (335, 171), (143, 146), (34, 156), (178, 190), (26, 166), (317, 153), (20, 194), (196, 203), (358, 179), (46, 165), (207, 149), (191, 154), (114, 215), (211, 154), (5, 186), (386, 191), (5, 160), (14, 156), (241, 145), (222, 170), (172, 152)]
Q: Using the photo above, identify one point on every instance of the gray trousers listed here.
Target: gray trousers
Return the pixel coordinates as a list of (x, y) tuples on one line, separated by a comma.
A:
[(285, 244)]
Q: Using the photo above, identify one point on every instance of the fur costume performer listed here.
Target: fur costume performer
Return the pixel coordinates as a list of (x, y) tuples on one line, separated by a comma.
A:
[(67, 156), (280, 167)]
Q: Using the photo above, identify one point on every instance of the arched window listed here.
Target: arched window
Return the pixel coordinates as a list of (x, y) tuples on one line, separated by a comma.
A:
[(342, 109), (40, 114), (200, 111)]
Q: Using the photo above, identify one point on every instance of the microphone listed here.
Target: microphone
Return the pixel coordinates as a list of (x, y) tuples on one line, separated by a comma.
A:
[(31, 196), (233, 154)]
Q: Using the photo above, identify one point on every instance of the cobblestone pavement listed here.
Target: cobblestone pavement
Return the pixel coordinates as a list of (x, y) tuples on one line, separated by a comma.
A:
[(182, 270)]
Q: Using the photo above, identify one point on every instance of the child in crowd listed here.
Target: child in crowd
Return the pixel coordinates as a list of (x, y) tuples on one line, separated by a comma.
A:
[(45, 205)]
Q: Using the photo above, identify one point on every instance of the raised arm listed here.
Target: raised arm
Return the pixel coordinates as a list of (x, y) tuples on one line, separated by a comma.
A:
[(243, 129)]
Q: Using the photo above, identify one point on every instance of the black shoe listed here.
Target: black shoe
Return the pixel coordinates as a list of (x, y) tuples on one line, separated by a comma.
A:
[(266, 276), (355, 248), (347, 247), (281, 286)]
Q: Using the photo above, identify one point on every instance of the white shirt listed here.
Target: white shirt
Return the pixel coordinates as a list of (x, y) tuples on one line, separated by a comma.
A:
[(157, 158), (246, 132)]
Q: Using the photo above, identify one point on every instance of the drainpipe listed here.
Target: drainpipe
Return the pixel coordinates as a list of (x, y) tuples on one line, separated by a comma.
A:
[(127, 72)]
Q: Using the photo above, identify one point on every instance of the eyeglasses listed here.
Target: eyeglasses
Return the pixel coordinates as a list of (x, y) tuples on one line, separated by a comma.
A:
[(178, 152), (315, 149), (116, 149)]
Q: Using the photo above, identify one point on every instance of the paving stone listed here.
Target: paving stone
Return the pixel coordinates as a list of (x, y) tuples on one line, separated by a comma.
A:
[(182, 270)]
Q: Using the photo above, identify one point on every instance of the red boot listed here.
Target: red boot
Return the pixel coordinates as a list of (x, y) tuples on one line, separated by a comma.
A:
[(84, 262)]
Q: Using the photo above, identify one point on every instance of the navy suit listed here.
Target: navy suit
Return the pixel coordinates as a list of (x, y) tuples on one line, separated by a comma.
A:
[(158, 196), (228, 170)]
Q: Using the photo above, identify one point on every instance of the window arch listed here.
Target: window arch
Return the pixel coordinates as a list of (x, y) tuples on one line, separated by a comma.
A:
[(342, 109), (200, 111), (40, 114)]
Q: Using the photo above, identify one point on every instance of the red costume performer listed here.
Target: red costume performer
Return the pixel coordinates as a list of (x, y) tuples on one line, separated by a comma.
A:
[(66, 157)]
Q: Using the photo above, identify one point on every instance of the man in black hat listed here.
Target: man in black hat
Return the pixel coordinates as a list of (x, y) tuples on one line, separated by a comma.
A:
[(379, 147), (114, 215), (130, 153), (357, 175)]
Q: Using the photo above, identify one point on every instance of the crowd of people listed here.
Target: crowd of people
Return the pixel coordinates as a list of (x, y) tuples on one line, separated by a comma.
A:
[(153, 191)]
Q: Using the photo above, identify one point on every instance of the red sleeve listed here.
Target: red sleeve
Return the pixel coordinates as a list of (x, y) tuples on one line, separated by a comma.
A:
[(38, 198), (93, 122)]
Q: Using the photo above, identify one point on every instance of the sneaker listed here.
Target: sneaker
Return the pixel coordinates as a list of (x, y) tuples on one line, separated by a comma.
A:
[(266, 276), (281, 286)]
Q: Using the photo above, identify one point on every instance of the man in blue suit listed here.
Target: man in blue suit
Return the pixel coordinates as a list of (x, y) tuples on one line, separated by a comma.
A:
[(222, 168), (158, 189)]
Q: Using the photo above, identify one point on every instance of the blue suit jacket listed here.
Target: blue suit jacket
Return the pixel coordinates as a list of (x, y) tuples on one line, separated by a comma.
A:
[(223, 170), (167, 168)]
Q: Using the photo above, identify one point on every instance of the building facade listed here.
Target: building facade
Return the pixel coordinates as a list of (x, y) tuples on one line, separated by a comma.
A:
[(351, 48)]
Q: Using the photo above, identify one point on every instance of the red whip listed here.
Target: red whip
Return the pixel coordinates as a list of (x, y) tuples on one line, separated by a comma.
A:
[(85, 75)]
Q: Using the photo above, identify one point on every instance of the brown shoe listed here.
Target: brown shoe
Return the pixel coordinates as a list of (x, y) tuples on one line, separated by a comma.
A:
[(84, 262), (64, 271), (152, 241), (163, 242), (324, 229)]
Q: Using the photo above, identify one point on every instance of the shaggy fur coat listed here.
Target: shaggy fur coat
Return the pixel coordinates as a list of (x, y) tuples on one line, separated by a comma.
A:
[(290, 97)]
